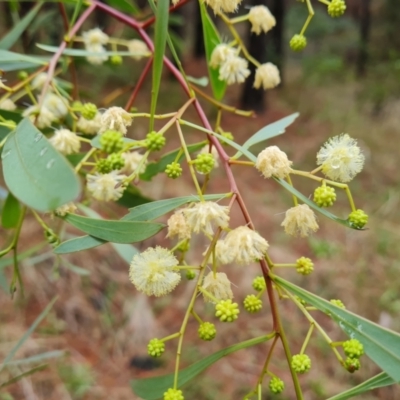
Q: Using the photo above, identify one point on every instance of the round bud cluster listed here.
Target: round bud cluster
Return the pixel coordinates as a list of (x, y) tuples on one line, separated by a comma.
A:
[(259, 283), (252, 303), (227, 311), (298, 42), (184, 246), (207, 331), (204, 163), (116, 161), (22, 75), (353, 348), (77, 105), (324, 196), (116, 59), (111, 141), (103, 166), (88, 111), (190, 274), (336, 8), (358, 219), (276, 385), (155, 347), (301, 363), (227, 135), (304, 266), (173, 394), (352, 364), (155, 141), (173, 170), (338, 303)]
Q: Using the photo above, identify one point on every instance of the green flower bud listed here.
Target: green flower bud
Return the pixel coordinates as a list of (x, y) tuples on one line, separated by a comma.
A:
[(111, 141), (190, 274), (173, 394), (324, 196), (184, 246), (336, 8), (301, 301), (276, 385), (227, 311), (301, 363), (259, 283), (51, 237), (227, 135), (353, 348), (207, 331), (358, 219), (252, 304), (304, 266), (22, 75), (338, 303), (88, 111), (103, 166), (116, 161), (77, 105), (173, 170), (204, 163), (155, 348), (298, 42), (155, 141), (116, 59), (352, 364)]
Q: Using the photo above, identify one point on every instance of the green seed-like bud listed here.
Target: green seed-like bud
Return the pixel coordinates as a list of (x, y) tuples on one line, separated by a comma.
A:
[(301, 363), (353, 348), (190, 274), (358, 219), (252, 304), (304, 266), (88, 111), (338, 303), (103, 166), (173, 170), (259, 283), (173, 394), (22, 75), (77, 105), (116, 59), (184, 246), (51, 237), (111, 141), (352, 364), (207, 331), (116, 161), (301, 301), (227, 311), (336, 8), (298, 42), (227, 135), (324, 196), (155, 141), (204, 163), (276, 385), (155, 348)]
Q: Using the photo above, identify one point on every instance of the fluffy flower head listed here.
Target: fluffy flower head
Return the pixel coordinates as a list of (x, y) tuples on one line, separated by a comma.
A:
[(8, 105), (116, 119), (267, 76), (241, 245), (106, 187), (217, 285), (99, 56), (43, 117), (65, 209), (177, 226), (223, 5), (65, 141), (341, 158), (300, 221), (202, 216), (261, 19), (132, 161), (138, 48), (234, 69), (154, 271), (220, 54), (90, 127), (273, 161), (94, 36), (39, 80), (56, 105)]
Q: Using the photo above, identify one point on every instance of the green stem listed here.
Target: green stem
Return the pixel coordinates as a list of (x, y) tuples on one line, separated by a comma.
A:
[(307, 339), (296, 203), (309, 18)]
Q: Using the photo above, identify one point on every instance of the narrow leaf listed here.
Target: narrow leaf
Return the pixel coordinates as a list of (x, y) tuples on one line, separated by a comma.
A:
[(126, 6), (268, 132), (11, 212), (132, 197), (160, 38), (155, 209), (25, 336), (35, 172), (211, 40), (23, 375), (78, 244), (380, 344), (11, 37), (37, 358), (115, 231), (376, 382), (153, 388)]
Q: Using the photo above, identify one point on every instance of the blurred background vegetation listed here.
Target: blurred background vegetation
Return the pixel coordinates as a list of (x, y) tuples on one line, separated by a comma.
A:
[(346, 80)]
